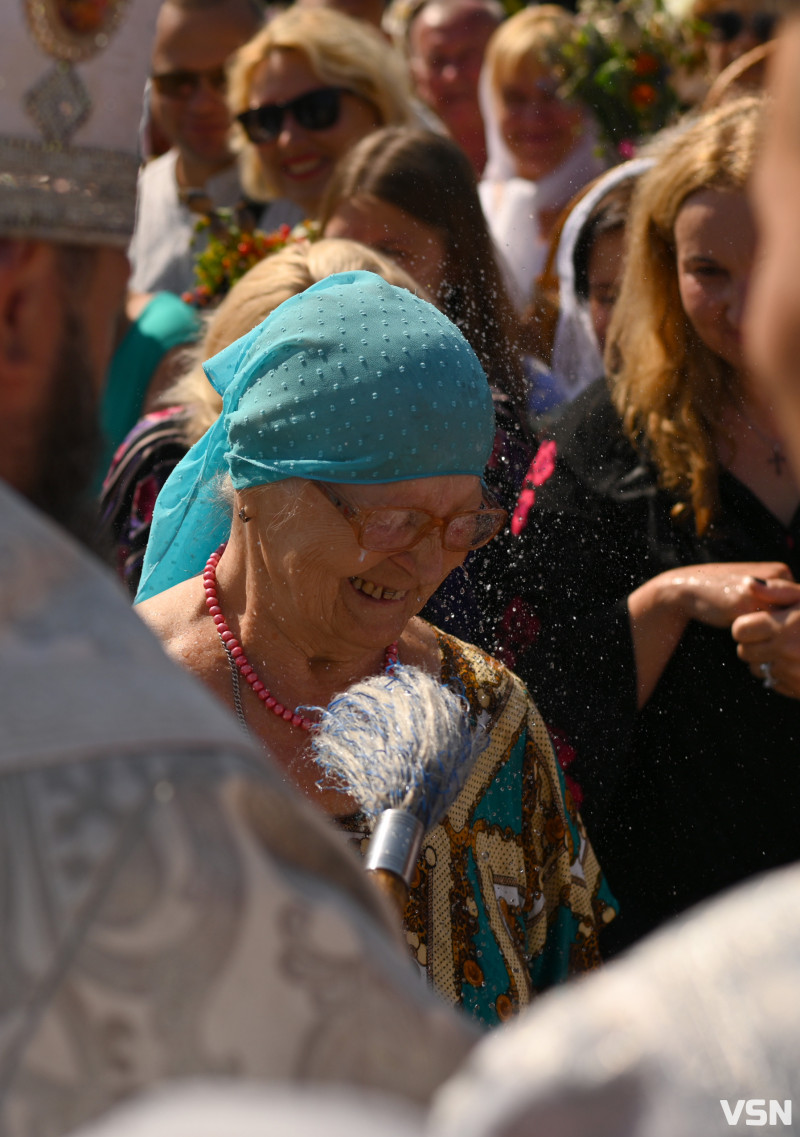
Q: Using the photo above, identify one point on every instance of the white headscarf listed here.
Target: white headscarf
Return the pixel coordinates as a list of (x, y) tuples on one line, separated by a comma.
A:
[(512, 204), (577, 358)]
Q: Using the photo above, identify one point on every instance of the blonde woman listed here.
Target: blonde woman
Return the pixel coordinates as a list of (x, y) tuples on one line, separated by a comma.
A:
[(157, 443), (541, 148), (303, 91), (656, 616)]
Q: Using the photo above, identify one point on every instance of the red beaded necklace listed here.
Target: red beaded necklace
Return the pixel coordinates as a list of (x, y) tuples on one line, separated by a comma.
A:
[(236, 652)]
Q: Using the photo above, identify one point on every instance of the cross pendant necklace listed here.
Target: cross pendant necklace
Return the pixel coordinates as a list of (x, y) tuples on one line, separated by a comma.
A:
[(777, 458)]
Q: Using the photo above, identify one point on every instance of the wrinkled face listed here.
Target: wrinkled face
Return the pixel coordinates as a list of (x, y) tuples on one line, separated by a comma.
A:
[(606, 261), (326, 592), (538, 126), (300, 161), (198, 123), (416, 247), (446, 56), (714, 246)]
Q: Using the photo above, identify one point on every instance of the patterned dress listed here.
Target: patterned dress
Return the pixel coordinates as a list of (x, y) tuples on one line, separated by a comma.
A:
[(507, 897)]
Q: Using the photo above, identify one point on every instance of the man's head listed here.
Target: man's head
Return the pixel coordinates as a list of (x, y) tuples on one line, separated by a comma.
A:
[(67, 201), (194, 41), (446, 42), (58, 310)]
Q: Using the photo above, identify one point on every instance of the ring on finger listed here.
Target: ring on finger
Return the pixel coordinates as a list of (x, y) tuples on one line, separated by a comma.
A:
[(767, 678)]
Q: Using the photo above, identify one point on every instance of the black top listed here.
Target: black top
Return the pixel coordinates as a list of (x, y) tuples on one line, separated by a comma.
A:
[(702, 787)]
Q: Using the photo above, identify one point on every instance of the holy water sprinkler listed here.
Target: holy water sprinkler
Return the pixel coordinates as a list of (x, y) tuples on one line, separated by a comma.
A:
[(403, 746)]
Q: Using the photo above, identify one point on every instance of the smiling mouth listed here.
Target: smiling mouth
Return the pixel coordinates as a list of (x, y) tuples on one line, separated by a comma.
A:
[(376, 591), (302, 168)]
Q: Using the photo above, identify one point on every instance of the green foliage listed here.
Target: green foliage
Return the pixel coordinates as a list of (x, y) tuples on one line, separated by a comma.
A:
[(619, 63)]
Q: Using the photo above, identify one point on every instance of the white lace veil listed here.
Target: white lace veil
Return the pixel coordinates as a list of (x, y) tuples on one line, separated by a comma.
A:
[(577, 359), (512, 204)]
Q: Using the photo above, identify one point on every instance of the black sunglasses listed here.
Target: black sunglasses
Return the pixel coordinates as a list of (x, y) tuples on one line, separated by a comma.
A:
[(316, 110), (183, 84), (727, 26)]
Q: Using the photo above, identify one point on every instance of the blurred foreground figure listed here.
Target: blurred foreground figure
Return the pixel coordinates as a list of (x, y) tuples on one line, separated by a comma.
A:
[(772, 318), (674, 1040), (693, 1034), (169, 909)]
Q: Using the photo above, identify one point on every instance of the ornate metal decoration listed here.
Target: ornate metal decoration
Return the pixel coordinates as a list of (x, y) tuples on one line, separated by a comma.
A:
[(73, 30), (58, 104)]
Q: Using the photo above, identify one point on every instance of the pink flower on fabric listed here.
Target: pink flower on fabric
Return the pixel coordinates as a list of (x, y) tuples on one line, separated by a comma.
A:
[(626, 149), (541, 468)]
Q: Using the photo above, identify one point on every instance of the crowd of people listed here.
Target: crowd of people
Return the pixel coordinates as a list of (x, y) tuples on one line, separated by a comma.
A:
[(425, 364)]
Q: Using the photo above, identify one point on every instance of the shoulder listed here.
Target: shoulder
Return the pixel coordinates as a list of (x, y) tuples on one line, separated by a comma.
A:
[(592, 448), (491, 689), (169, 319), (175, 617), (159, 173)]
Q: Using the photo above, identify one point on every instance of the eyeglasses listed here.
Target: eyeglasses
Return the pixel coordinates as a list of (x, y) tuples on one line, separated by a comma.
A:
[(727, 26), (392, 530), (316, 110), (184, 84)]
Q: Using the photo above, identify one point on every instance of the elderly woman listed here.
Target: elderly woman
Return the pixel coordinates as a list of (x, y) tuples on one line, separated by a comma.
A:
[(657, 619), (356, 424), (304, 91), (190, 406), (542, 149)]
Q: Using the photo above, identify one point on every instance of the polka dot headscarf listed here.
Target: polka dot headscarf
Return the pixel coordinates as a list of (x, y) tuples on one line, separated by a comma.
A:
[(353, 380)]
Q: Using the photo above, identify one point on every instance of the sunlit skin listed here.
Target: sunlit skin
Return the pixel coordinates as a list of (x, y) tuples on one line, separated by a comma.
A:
[(300, 162), (308, 595), (290, 585), (539, 127), (606, 262), (198, 126), (714, 246), (446, 48), (416, 247)]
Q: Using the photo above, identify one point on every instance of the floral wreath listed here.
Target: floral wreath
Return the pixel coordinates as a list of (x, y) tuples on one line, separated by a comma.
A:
[(619, 61)]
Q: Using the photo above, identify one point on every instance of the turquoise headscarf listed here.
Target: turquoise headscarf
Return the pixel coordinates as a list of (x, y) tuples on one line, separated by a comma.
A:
[(353, 380)]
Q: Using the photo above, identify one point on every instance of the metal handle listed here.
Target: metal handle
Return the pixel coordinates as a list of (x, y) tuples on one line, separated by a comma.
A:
[(395, 843)]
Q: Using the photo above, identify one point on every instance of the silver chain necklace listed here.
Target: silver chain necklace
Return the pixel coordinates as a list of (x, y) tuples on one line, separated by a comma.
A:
[(237, 690)]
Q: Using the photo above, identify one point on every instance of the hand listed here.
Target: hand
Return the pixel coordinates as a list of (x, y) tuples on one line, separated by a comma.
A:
[(715, 594), (772, 636)]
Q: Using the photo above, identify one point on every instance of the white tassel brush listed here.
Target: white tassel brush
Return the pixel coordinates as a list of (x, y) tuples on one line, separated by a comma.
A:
[(402, 745)]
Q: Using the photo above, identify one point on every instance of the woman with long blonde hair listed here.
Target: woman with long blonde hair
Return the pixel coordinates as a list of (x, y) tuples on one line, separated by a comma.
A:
[(655, 615), (303, 91)]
